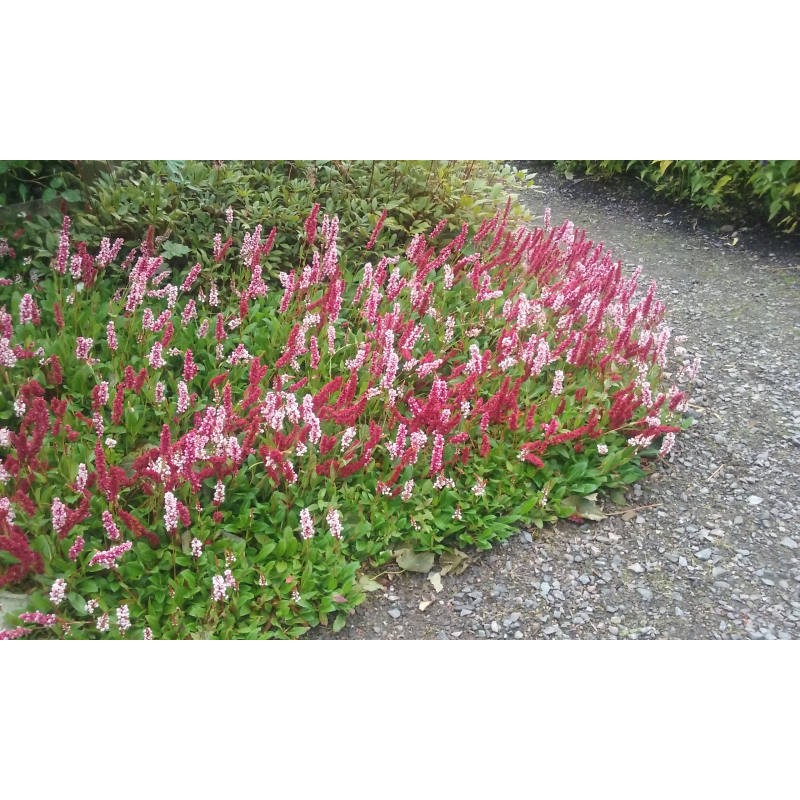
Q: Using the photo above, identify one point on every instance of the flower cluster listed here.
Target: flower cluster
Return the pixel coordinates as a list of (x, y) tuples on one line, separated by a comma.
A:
[(338, 389)]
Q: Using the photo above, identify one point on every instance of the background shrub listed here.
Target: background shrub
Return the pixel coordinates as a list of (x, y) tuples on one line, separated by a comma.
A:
[(765, 190)]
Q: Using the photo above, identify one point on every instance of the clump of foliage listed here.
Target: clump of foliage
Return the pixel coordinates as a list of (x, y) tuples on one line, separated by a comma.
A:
[(183, 200), (182, 456), (768, 190), (23, 181)]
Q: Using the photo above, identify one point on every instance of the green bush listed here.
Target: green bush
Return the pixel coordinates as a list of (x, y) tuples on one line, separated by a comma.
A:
[(23, 181), (184, 200), (767, 190)]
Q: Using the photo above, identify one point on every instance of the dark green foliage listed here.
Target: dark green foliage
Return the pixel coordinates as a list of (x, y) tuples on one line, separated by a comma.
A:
[(22, 181), (767, 190)]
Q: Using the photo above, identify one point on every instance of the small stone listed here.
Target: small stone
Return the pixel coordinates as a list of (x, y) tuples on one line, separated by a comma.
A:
[(465, 612), (754, 499), (682, 562), (788, 542), (544, 588), (704, 554), (717, 571), (518, 634), (584, 579), (395, 613), (637, 567), (737, 520), (495, 627), (767, 581), (550, 630), (679, 612), (645, 593)]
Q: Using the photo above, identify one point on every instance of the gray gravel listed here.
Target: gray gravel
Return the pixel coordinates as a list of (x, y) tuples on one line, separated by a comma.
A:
[(710, 547)]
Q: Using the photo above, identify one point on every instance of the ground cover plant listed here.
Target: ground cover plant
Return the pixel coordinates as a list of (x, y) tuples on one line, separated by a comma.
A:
[(767, 190), (188, 456)]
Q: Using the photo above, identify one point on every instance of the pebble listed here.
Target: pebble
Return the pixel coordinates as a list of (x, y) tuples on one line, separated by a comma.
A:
[(788, 542), (395, 613), (754, 499), (704, 555), (637, 567)]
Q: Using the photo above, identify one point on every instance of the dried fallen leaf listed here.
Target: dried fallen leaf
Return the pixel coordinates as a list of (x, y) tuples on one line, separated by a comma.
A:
[(436, 579), (424, 604), (339, 598), (629, 515), (454, 561)]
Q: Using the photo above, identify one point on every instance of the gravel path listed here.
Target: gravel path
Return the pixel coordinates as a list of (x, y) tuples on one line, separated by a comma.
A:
[(713, 551)]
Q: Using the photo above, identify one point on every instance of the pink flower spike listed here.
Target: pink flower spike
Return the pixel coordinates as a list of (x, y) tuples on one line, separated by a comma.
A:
[(111, 335), (376, 230), (109, 558), (334, 519), (63, 248), (170, 512), (112, 530), (76, 548), (14, 633), (28, 311), (306, 524), (123, 618), (37, 618), (219, 590), (82, 348), (58, 514), (58, 591), (156, 357)]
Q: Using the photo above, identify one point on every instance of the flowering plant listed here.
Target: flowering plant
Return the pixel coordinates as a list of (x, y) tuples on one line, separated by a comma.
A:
[(180, 458)]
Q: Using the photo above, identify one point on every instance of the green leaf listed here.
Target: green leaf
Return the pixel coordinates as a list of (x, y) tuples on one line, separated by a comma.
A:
[(368, 585), (77, 602), (408, 560), (7, 558), (585, 507)]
